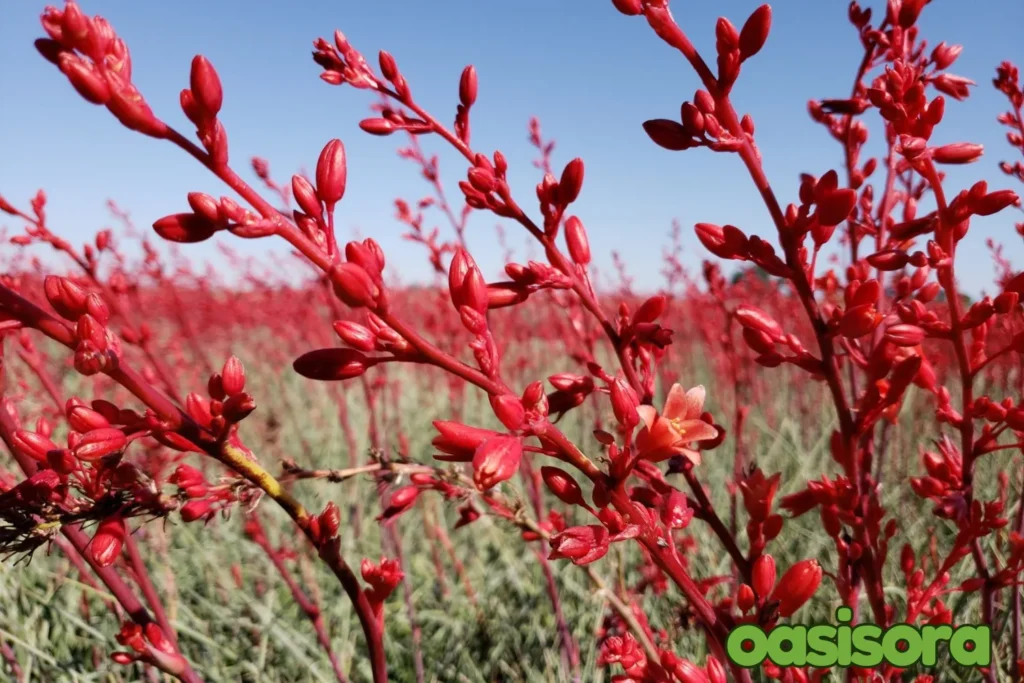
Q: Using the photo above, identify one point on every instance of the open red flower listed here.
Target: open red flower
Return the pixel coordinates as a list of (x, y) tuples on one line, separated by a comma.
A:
[(675, 428)]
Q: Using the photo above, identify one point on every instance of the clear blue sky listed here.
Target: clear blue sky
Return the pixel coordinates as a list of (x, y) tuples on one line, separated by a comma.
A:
[(589, 73)]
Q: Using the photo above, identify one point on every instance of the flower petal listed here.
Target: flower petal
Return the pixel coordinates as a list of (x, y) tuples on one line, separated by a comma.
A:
[(648, 414), (675, 403), (691, 455), (659, 454), (695, 402), (697, 430)]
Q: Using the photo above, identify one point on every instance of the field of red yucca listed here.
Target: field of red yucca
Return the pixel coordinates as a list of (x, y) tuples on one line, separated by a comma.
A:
[(323, 461)]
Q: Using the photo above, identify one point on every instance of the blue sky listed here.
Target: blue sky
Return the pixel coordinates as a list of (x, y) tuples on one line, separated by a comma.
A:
[(589, 73)]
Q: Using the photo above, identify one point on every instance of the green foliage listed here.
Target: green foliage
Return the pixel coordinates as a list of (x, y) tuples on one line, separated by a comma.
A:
[(256, 633)]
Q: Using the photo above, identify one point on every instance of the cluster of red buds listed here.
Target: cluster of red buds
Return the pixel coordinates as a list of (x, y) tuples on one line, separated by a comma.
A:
[(149, 644), (86, 480)]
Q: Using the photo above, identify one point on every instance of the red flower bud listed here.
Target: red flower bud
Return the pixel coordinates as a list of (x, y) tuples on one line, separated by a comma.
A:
[(727, 35), (61, 461), (859, 321), (745, 598), (957, 153), (377, 126), (355, 335), (499, 295), (889, 260), (186, 476), (1016, 284), (330, 520), (129, 107), (675, 511), (835, 206), (185, 228), (306, 197), (629, 7), (688, 672), (978, 313), (66, 297), (952, 85), (401, 500), (755, 32), (1015, 419), (468, 86), (36, 446), (99, 443), (668, 134), (331, 173), (763, 575), (354, 286), (238, 407), (458, 441), (205, 85), (496, 460), (909, 11), (332, 364), (650, 310), (704, 101), (482, 179), (509, 410), (728, 242), (797, 586), (198, 408), (624, 403), (475, 293), (1006, 302), (571, 183), (85, 78), (108, 540), (692, 118), (716, 670), (366, 254), (905, 335), (944, 55), (195, 510), (74, 25), (756, 319), (232, 376), (84, 419), (994, 202), (562, 485)]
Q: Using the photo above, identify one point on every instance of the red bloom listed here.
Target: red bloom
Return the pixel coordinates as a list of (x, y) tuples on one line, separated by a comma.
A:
[(677, 426), (580, 544)]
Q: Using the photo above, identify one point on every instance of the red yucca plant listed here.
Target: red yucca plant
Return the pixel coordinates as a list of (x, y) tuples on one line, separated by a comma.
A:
[(892, 319)]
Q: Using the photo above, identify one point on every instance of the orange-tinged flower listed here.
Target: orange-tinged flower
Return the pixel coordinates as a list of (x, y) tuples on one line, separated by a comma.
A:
[(671, 431)]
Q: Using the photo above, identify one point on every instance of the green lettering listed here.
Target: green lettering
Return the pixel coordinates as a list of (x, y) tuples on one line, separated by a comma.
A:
[(821, 639), (932, 635), (904, 633), (980, 653), (867, 648), (844, 615), (748, 633), (787, 645)]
